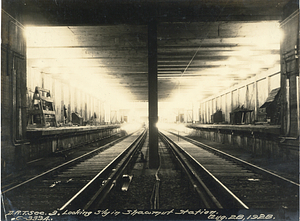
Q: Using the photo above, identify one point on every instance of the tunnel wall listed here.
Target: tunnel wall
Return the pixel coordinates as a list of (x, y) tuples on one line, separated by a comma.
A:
[(68, 96), (251, 94), (290, 123), (17, 147), (13, 91)]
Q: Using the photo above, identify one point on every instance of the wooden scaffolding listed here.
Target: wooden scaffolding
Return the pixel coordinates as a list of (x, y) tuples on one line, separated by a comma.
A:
[(42, 112)]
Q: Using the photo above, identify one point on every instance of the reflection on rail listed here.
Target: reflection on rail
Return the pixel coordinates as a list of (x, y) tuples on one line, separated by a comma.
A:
[(212, 194), (106, 179)]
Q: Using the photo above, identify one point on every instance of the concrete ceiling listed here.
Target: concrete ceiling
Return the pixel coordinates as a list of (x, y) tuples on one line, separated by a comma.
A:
[(203, 46)]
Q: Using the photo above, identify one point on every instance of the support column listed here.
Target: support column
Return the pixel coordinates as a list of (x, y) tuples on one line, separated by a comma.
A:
[(152, 95), (255, 100)]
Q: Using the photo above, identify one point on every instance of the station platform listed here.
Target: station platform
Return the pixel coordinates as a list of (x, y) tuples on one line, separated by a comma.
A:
[(265, 129), (50, 131), (46, 141), (262, 140)]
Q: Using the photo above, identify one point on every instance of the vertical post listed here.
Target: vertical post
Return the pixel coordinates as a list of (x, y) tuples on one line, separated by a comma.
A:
[(231, 101), (255, 100), (75, 100), (206, 112), (81, 103), (210, 110), (152, 94), (70, 107), (53, 96), (62, 102), (226, 107), (238, 96), (298, 102)]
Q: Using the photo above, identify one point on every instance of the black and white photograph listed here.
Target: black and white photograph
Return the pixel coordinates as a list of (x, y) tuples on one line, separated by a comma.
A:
[(150, 110)]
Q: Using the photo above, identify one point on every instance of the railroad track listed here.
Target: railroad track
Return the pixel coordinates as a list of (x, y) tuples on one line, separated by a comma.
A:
[(165, 188), (212, 193), (253, 187), (40, 167), (73, 184)]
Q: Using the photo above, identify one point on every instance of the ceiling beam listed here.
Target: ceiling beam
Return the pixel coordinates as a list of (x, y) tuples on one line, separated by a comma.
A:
[(139, 12)]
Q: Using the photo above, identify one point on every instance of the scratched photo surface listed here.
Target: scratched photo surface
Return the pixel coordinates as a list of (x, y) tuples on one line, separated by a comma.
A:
[(150, 110)]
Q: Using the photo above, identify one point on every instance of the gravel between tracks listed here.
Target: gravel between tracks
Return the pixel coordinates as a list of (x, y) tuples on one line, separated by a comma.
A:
[(175, 191)]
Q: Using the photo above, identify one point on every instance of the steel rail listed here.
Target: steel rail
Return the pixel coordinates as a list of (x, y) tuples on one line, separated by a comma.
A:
[(239, 201), (218, 183), (64, 164), (121, 167), (206, 196), (118, 165), (242, 162), (154, 200), (195, 185)]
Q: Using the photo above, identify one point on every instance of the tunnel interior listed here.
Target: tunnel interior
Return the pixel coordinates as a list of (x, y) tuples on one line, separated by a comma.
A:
[(218, 64)]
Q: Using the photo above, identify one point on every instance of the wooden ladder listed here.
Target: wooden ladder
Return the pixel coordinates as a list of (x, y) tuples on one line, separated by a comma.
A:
[(43, 112)]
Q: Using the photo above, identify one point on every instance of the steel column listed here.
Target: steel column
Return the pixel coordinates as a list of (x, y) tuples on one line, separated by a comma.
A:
[(152, 95)]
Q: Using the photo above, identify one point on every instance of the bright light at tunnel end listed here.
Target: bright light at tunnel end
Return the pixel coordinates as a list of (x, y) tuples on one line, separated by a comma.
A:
[(131, 127)]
